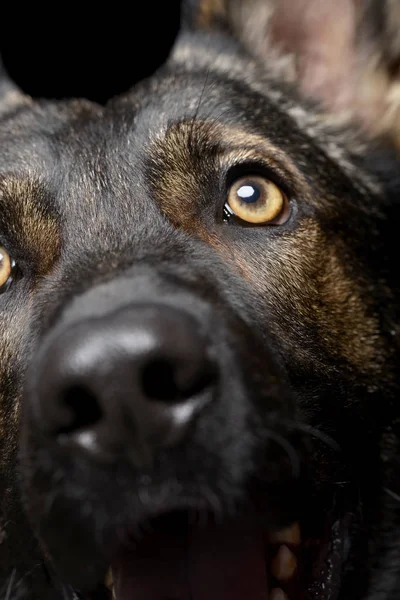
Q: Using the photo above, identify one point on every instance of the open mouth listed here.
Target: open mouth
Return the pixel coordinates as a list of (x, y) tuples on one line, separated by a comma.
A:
[(182, 556)]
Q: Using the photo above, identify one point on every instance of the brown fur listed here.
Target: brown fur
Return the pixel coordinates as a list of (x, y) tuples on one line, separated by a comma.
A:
[(319, 291), (22, 210)]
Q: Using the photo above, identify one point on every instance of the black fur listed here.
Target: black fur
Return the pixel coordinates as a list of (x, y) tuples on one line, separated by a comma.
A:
[(110, 187)]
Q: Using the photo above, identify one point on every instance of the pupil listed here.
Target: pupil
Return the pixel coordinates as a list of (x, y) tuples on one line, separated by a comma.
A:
[(248, 193)]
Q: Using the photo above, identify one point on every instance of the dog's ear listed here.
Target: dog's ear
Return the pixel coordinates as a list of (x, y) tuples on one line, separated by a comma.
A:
[(10, 94), (344, 54)]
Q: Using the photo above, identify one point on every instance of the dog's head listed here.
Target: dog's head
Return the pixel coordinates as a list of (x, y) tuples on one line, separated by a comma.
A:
[(199, 317)]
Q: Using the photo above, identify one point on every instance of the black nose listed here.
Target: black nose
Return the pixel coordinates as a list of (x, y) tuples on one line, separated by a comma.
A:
[(131, 382)]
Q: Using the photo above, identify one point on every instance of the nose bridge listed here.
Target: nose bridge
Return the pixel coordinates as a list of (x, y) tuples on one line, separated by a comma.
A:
[(105, 198), (123, 241), (144, 280)]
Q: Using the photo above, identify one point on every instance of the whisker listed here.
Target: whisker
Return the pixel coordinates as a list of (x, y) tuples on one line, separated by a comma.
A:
[(194, 118), (288, 448), (10, 584), (215, 504), (392, 494), (65, 593), (312, 431)]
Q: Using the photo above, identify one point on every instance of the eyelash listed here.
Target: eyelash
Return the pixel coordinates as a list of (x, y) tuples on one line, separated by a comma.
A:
[(227, 213)]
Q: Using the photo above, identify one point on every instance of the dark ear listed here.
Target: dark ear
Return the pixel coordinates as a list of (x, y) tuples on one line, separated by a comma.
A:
[(10, 94), (344, 54)]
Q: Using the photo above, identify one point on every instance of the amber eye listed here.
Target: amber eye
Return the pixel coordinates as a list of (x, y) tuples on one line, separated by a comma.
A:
[(257, 200), (6, 268)]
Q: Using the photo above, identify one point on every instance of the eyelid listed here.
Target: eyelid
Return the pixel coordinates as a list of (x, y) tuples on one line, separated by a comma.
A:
[(261, 167)]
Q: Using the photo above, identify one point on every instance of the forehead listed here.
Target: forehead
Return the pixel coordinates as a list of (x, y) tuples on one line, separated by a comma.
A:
[(79, 143), (45, 132), (91, 157)]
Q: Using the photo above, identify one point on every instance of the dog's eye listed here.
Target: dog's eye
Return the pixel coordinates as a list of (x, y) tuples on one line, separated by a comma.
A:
[(7, 266), (257, 200)]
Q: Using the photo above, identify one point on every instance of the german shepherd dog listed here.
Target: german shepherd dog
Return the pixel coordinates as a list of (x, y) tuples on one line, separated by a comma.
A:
[(199, 318)]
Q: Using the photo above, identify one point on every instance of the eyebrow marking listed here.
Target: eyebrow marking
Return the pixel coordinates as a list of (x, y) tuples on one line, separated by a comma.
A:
[(188, 154), (26, 217)]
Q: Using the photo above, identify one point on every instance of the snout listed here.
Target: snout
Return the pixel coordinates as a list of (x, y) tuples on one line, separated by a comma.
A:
[(150, 399), (129, 382)]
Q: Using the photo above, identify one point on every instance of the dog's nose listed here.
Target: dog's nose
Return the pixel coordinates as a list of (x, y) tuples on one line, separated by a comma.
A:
[(130, 382)]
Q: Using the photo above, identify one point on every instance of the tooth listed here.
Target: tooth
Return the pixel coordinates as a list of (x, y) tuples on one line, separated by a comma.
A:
[(284, 564), (278, 594), (108, 580), (290, 535)]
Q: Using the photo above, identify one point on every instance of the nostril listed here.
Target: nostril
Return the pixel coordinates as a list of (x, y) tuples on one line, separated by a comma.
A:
[(163, 381), (158, 381), (83, 407)]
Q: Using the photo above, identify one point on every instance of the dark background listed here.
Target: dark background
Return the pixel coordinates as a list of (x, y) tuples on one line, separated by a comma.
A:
[(94, 51)]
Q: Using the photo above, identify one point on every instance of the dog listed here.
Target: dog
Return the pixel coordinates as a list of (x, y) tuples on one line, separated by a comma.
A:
[(199, 295)]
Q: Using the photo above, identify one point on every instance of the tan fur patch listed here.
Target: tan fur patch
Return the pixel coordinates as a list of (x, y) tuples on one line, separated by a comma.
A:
[(210, 11), (12, 324), (179, 181), (305, 283), (32, 226)]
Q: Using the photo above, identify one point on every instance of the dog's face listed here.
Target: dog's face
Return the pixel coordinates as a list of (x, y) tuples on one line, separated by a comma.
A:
[(198, 333)]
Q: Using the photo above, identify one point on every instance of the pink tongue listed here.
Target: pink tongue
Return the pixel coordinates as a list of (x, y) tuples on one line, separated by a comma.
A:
[(211, 564)]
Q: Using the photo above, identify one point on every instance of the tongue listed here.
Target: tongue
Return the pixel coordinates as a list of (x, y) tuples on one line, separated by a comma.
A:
[(214, 563), (227, 564)]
